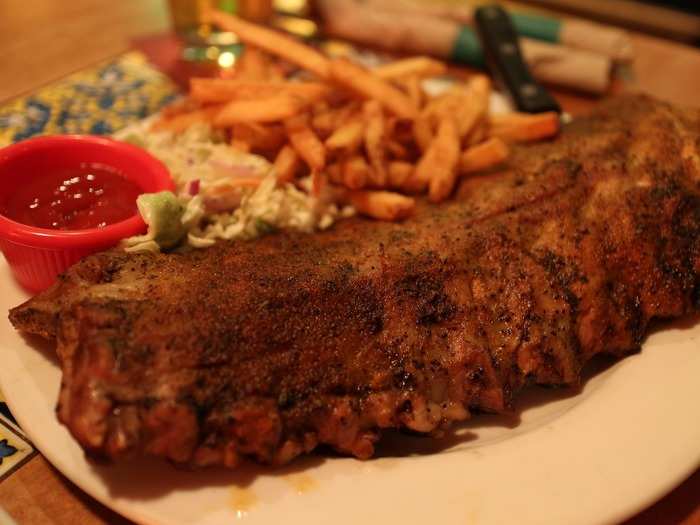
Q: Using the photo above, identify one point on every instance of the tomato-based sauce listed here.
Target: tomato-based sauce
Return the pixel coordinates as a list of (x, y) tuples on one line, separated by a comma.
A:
[(74, 199)]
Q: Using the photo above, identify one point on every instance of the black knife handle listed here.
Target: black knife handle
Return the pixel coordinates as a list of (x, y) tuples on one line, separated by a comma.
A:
[(506, 63)]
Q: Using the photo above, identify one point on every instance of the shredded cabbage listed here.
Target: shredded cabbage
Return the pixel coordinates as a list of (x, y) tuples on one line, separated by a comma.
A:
[(163, 213), (221, 194)]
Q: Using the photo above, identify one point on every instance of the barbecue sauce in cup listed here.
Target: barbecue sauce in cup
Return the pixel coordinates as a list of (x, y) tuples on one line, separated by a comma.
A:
[(89, 196)]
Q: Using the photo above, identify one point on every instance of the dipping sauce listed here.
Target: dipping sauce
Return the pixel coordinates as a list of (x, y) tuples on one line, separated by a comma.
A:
[(91, 196)]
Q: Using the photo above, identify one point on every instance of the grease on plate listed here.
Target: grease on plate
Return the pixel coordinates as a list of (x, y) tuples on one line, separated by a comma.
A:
[(301, 483), (242, 501)]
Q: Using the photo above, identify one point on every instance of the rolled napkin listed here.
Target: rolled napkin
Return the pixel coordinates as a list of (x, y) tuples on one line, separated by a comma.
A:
[(448, 39), (574, 68), (605, 40), (572, 32)]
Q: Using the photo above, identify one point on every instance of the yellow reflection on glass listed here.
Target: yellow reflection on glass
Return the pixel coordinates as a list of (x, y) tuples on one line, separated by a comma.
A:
[(224, 38), (212, 53), (301, 27), (337, 48), (226, 59), (297, 7)]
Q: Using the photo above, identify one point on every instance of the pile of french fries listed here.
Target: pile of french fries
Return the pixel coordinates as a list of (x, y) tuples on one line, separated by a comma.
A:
[(372, 136)]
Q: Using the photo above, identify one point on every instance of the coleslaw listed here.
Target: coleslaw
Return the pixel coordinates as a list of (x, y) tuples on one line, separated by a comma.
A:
[(222, 194)]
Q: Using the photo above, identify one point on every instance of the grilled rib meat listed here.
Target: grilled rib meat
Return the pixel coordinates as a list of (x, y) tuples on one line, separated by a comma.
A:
[(266, 349)]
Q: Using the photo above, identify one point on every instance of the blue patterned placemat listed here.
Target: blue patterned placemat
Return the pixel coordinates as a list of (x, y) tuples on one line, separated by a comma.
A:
[(15, 447), (99, 100)]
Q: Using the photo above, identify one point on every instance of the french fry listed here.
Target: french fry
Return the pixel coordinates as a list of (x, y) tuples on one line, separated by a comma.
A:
[(466, 104), (403, 133), (252, 65), (276, 72), (399, 172), (318, 182), (323, 123), (444, 161), (374, 142), (268, 138), (286, 164), (180, 122), (363, 82), (243, 131), (521, 127), (479, 132), (184, 105), (437, 167), (272, 109), (321, 106), (240, 145), (306, 143), (327, 119), (226, 89), (483, 156), (479, 88), (414, 90), (392, 123), (272, 41), (423, 131), (396, 149), (260, 138), (349, 110), (414, 66), (356, 172), (382, 205), (348, 137), (335, 173)]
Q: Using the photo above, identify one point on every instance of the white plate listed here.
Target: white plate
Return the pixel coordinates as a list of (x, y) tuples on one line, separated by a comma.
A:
[(597, 456), (5, 518)]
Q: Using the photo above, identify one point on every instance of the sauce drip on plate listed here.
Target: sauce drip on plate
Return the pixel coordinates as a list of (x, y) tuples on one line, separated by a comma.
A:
[(91, 196)]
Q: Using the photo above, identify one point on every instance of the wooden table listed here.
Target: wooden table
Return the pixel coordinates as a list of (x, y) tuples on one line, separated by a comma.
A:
[(43, 40)]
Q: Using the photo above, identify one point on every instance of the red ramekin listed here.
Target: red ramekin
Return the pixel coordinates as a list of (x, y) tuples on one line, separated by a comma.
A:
[(37, 255)]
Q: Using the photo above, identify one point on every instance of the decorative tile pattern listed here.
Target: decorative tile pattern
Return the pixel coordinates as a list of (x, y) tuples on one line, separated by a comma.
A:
[(98, 101), (15, 449), (5, 412)]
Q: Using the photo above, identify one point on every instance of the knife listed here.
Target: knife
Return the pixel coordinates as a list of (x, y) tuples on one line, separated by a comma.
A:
[(505, 61)]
